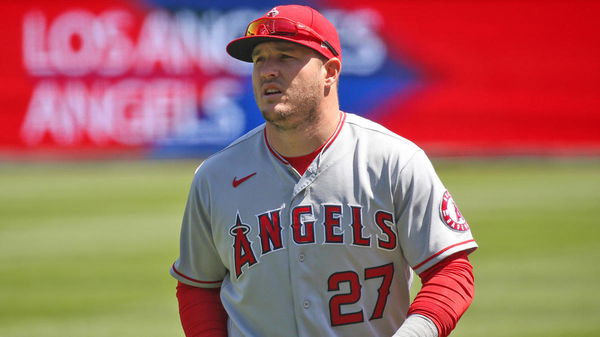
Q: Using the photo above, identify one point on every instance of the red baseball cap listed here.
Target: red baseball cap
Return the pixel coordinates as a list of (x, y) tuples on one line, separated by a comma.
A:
[(294, 23)]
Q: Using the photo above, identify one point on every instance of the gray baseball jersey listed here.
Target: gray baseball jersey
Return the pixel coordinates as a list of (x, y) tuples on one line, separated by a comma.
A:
[(328, 253)]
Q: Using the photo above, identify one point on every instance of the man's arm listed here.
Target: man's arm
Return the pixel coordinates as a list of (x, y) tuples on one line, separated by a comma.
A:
[(201, 311), (446, 293)]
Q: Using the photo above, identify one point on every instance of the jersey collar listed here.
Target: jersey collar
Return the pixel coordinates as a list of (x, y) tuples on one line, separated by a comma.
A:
[(325, 146)]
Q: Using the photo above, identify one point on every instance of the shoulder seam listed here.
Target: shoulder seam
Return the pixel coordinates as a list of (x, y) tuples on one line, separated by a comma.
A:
[(410, 159)]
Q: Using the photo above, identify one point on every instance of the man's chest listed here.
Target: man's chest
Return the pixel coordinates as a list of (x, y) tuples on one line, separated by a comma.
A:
[(271, 216)]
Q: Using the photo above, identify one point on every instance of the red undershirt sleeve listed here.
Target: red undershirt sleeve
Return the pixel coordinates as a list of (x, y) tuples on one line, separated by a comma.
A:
[(201, 311), (446, 293)]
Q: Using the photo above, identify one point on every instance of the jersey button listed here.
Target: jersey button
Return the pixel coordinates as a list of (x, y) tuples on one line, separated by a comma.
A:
[(301, 257), (306, 304)]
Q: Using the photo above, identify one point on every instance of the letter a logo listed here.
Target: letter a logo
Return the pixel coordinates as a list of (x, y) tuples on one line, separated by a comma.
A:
[(242, 248)]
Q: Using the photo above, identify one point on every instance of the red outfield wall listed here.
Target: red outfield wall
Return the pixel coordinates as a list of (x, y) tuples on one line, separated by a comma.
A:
[(499, 76), (151, 78)]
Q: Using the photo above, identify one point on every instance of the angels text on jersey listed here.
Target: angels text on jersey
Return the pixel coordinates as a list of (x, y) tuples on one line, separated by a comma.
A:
[(340, 224)]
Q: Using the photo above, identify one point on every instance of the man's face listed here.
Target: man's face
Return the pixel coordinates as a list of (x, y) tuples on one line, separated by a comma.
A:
[(288, 83)]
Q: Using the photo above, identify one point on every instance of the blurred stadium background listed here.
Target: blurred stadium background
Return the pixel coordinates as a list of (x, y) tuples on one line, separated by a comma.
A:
[(107, 107)]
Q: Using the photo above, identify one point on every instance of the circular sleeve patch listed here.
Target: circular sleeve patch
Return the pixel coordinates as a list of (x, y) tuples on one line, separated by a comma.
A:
[(451, 215)]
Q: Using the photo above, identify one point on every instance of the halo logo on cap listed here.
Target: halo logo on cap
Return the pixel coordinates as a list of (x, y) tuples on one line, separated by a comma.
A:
[(273, 12), (451, 215)]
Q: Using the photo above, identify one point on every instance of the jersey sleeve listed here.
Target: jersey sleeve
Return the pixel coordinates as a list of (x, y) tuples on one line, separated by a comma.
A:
[(199, 263), (430, 225)]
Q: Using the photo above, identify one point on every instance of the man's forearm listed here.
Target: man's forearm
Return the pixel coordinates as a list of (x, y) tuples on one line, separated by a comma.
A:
[(201, 312), (417, 326)]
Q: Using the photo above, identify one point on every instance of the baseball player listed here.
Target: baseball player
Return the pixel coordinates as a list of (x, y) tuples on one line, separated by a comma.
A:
[(312, 223)]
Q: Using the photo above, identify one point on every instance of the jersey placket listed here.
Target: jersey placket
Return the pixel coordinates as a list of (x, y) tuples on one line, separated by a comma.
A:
[(297, 253)]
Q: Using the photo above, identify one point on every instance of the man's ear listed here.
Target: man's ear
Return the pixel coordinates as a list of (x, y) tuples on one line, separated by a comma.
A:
[(332, 67)]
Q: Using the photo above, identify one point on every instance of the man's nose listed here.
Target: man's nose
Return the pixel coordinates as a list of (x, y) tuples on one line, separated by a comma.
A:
[(269, 69)]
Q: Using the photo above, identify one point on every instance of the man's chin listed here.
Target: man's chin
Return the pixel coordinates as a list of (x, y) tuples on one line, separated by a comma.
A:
[(273, 113)]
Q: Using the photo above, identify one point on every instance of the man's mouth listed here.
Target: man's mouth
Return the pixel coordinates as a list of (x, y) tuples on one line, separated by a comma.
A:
[(271, 92)]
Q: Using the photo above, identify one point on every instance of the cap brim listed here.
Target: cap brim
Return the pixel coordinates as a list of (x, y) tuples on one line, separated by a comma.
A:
[(242, 47)]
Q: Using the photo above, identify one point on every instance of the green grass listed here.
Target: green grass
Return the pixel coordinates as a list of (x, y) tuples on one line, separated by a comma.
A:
[(85, 248)]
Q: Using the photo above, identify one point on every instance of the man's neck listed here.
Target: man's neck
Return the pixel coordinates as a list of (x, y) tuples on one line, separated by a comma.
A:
[(304, 139)]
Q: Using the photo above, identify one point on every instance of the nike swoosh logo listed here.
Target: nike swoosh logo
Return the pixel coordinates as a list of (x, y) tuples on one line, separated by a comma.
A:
[(236, 182)]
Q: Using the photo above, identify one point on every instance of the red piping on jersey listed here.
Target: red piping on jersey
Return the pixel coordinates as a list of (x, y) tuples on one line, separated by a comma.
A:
[(277, 155), (193, 280), (329, 141), (440, 252), (337, 131)]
